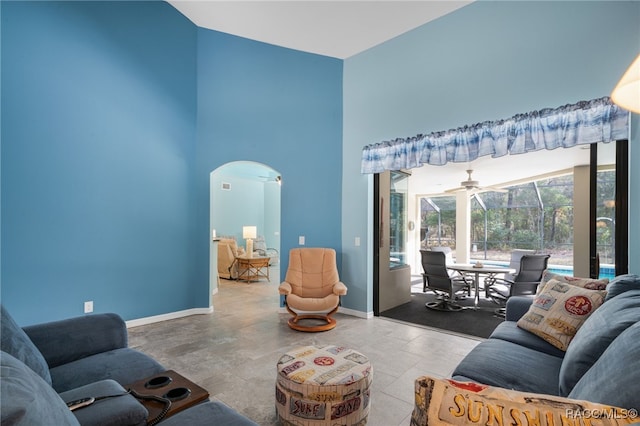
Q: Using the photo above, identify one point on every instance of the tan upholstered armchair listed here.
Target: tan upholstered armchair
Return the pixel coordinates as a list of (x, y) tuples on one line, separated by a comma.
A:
[(312, 287), (227, 251)]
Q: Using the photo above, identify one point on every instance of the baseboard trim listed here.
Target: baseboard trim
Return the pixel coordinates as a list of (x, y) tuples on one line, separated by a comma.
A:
[(354, 313), (169, 316), (204, 311)]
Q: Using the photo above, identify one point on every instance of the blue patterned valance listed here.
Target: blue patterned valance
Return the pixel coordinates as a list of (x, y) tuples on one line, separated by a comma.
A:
[(586, 122)]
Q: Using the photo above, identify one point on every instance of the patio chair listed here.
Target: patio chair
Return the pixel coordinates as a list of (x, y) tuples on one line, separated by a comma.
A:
[(514, 263), (525, 283), (437, 279), (448, 253)]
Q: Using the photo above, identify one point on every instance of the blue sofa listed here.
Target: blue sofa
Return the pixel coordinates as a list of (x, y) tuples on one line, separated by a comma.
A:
[(44, 366), (600, 364)]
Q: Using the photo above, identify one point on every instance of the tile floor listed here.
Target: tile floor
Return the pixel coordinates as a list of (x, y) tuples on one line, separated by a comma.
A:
[(233, 351)]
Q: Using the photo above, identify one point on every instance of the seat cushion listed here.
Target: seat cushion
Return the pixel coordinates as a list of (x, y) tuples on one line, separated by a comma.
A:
[(509, 331), (124, 365), (505, 364), (121, 409), (16, 342), (27, 399), (615, 378), (313, 304), (596, 334)]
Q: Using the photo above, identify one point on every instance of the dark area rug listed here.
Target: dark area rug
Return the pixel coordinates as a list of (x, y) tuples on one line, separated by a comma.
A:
[(479, 323)]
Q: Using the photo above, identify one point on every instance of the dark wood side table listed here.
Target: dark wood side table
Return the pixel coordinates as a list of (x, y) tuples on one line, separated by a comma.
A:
[(182, 393)]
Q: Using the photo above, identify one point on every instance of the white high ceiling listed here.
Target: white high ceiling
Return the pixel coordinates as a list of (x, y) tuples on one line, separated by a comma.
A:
[(339, 29), (345, 28)]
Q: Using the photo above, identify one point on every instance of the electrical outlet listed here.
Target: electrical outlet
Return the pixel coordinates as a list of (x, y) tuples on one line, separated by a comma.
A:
[(88, 307), (357, 242), (301, 240)]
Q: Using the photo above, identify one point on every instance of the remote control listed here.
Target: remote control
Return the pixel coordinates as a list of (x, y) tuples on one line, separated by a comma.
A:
[(79, 403)]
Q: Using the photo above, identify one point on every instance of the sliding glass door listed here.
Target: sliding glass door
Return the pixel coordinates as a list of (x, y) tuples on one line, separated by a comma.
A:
[(609, 204)]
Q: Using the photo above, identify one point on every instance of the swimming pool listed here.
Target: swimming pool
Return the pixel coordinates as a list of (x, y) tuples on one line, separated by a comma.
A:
[(606, 271)]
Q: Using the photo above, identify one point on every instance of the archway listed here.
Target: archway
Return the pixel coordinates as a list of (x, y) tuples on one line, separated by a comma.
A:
[(243, 193)]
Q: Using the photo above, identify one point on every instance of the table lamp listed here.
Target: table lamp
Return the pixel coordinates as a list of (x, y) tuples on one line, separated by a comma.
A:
[(248, 233)]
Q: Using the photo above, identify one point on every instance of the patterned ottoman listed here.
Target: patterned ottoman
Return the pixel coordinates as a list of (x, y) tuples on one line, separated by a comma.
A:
[(323, 385)]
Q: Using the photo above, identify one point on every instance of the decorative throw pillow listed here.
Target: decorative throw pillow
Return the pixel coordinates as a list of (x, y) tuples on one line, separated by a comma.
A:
[(559, 310), (590, 283), (450, 402)]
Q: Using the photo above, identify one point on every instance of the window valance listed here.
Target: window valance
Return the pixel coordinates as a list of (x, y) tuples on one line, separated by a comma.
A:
[(585, 122)]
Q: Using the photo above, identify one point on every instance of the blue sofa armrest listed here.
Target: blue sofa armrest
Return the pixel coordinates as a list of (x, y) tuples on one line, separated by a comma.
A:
[(517, 306), (61, 342), (114, 406)]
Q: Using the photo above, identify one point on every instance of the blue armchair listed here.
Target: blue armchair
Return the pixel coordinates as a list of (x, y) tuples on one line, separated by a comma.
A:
[(44, 366)]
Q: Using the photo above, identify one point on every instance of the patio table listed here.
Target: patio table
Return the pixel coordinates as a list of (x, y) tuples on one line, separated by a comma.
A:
[(487, 270)]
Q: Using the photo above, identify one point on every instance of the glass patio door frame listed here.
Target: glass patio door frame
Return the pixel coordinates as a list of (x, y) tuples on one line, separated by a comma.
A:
[(621, 230)]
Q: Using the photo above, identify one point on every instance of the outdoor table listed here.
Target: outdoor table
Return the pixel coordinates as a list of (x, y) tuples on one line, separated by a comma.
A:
[(488, 270)]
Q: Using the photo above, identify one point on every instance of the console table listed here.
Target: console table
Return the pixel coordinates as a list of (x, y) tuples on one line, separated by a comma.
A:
[(252, 268)]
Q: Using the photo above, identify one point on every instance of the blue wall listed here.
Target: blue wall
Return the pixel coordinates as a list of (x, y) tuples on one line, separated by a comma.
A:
[(113, 116), (281, 108), (486, 61), (98, 150)]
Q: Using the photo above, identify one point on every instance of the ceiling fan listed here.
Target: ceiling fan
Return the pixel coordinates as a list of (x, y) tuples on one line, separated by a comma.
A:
[(474, 186), (277, 179)]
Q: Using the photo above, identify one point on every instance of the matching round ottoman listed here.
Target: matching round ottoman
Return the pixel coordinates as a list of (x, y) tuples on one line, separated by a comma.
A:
[(323, 385)]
